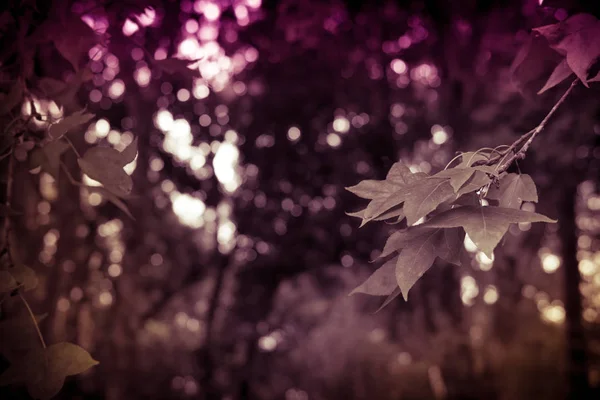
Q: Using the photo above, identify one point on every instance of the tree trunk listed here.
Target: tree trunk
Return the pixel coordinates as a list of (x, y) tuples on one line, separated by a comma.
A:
[(578, 384)]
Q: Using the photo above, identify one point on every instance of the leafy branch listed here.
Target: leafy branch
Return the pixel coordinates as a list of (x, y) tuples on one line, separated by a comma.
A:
[(518, 149), (476, 197)]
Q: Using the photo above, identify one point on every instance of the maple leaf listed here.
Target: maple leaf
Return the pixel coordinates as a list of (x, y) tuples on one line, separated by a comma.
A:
[(382, 282), (577, 39), (43, 370), (105, 165), (418, 248), (485, 225), (513, 190)]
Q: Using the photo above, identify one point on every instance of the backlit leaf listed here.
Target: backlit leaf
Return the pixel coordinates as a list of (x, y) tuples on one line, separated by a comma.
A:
[(484, 225), (105, 165), (130, 152), (382, 282), (401, 174), (43, 371), (513, 190), (58, 129)]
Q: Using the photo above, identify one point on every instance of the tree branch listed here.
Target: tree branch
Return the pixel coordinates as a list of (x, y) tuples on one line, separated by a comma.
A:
[(507, 157)]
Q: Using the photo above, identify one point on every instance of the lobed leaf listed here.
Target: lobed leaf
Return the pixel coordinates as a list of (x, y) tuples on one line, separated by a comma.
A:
[(560, 73), (484, 225), (577, 39), (424, 197), (390, 298), (513, 190), (414, 261), (371, 189), (382, 282), (401, 174), (105, 165), (44, 370), (60, 128), (476, 182), (120, 204)]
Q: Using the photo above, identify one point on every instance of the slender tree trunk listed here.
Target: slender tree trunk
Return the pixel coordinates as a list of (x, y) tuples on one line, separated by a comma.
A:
[(577, 363)]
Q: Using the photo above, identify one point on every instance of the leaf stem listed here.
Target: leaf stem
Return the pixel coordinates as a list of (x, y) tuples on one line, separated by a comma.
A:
[(37, 328), (72, 146)]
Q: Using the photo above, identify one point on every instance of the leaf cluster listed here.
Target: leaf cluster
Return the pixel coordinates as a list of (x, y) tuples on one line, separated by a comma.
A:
[(571, 47), (439, 210)]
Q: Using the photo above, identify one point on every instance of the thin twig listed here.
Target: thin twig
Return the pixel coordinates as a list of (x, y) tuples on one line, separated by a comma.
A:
[(72, 146), (37, 328), (9, 190), (524, 142)]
